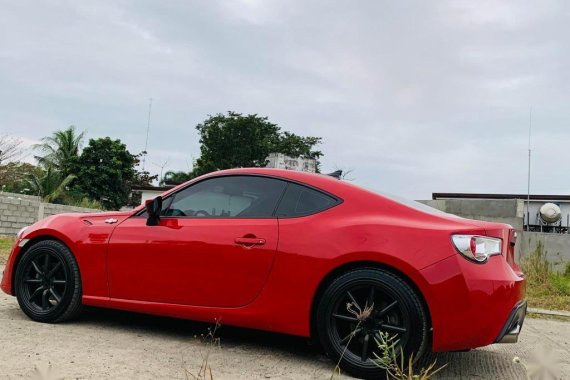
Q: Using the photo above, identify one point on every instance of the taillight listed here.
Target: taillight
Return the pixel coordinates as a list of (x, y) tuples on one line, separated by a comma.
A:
[(477, 248)]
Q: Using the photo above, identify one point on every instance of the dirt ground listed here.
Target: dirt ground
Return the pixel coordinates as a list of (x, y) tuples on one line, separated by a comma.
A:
[(105, 344)]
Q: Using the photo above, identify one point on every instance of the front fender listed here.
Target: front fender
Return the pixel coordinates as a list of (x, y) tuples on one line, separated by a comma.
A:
[(86, 235)]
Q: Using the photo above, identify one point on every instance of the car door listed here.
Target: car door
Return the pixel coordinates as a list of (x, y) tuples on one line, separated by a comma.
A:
[(214, 246)]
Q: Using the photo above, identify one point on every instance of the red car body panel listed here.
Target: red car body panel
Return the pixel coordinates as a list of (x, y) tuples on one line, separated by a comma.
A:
[(192, 268), (209, 268)]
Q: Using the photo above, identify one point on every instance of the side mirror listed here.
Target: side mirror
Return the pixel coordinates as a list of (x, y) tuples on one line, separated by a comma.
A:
[(153, 209)]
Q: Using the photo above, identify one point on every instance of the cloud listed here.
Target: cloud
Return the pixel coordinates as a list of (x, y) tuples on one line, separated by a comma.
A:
[(416, 97)]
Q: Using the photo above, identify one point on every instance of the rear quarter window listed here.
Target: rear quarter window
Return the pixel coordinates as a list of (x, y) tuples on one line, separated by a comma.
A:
[(300, 200)]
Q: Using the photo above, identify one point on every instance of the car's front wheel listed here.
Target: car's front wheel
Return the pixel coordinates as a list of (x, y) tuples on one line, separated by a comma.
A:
[(361, 304), (47, 282)]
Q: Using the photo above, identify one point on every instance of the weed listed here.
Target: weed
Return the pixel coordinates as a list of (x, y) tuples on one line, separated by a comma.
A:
[(545, 288), (390, 359), (560, 283), (205, 370), (567, 270), (536, 267), (393, 363), (361, 315)]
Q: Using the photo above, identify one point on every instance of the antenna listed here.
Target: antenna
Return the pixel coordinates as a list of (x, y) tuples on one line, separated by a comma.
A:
[(528, 180), (147, 130), (161, 169)]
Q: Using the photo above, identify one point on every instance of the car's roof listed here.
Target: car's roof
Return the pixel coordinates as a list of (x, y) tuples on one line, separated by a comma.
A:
[(322, 181), (342, 189), (291, 174)]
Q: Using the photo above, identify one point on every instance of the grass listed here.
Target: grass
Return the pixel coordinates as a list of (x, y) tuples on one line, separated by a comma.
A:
[(393, 362), (6, 243), (545, 288)]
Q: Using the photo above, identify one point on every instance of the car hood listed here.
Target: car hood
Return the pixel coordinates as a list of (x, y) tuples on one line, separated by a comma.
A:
[(114, 217), (77, 226)]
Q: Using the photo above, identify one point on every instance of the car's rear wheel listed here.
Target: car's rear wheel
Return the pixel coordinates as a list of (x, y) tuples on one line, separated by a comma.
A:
[(361, 304), (47, 282)]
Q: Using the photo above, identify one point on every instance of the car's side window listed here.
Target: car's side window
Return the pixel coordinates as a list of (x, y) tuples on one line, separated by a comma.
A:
[(228, 197), (301, 200)]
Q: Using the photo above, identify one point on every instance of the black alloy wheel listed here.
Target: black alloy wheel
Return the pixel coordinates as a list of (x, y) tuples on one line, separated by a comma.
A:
[(360, 305), (47, 282)]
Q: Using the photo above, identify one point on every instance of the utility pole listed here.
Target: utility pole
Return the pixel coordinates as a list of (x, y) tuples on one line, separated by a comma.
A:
[(528, 179), (147, 130)]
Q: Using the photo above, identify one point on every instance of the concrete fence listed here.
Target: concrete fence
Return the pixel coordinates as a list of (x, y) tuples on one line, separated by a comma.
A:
[(510, 211), (18, 210), (556, 247)]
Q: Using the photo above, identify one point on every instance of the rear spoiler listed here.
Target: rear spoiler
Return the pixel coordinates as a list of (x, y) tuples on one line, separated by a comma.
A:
[(336, 174)]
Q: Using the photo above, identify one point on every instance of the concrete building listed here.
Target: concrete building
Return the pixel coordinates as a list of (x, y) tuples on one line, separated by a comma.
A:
[(281, 161), (526, 207), (149, 192)]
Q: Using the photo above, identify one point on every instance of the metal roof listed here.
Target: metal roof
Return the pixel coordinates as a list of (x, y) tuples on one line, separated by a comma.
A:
[(538, 197)]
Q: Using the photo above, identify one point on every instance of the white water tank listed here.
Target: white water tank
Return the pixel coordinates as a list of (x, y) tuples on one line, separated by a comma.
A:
[(550, 213)]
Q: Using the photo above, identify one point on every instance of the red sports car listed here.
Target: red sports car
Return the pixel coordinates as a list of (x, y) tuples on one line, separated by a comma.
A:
[(285, 251)]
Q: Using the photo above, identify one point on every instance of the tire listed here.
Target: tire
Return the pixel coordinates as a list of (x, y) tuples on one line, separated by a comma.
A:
[(48, 283), (396, 310)]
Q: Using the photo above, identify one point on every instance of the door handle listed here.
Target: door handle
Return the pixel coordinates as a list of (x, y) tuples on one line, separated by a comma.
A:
[(248, 242)]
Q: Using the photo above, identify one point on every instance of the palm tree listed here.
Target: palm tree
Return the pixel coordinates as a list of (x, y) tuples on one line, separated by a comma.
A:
[(60, 150), (50, 185)]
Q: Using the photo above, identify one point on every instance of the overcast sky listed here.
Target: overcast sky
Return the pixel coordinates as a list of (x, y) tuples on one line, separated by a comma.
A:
[(415, 96)]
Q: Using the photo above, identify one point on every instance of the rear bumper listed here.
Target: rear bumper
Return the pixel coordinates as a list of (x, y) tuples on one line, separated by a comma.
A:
[(474, 305), (513, 326)]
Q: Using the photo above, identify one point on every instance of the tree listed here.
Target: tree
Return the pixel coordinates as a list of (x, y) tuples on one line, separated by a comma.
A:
[(176, 178), (61, 150), (298, 146), (50, 185), (106, 171), (143, 177), (234, 140), (14, 176), (10, 148)]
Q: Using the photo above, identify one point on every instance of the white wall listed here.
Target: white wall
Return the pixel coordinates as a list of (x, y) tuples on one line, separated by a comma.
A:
[(150, 194)]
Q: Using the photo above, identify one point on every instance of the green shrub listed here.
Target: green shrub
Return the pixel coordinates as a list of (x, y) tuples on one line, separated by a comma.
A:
[(560, 283), (87, 203), (540, 275), (536, 267), (567, 271)]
